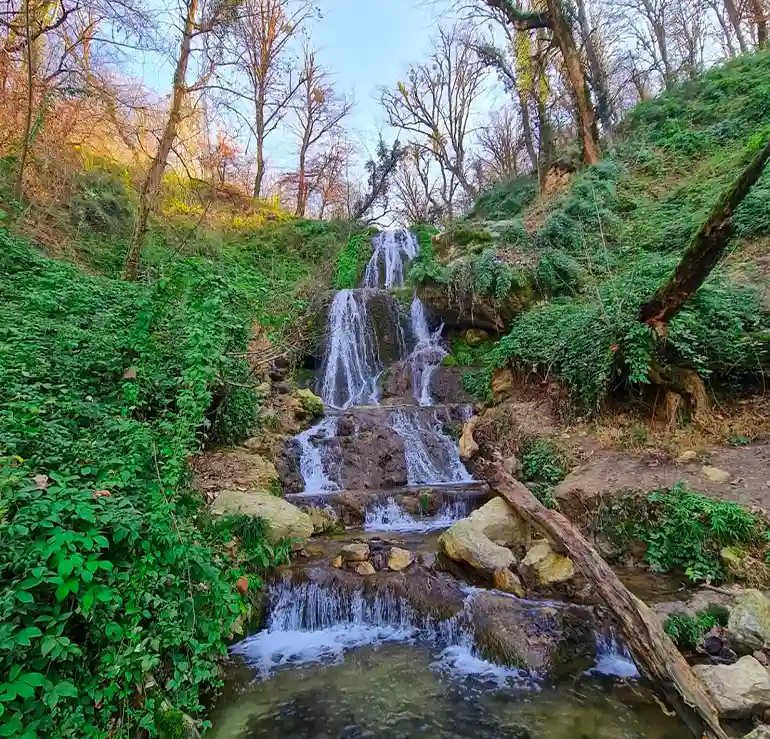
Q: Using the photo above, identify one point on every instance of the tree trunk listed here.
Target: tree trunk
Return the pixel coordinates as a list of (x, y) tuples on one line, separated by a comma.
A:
[(148, 193), (301, 185), (562, 34), (735, 20), (760, 18), (526, 128), (19, 188), (659, 660), (259, 125), (704, 251), (598, 77)]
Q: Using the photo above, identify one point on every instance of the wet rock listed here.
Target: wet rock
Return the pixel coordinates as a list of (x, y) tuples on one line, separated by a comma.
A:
[(426, 560), (502, 384), (553, 641), (740, 690), (476, 337), (380, 561), (508, 582), (399, 559), (364, 568), (463, 542), (548, 567), (749, 622), (761, 657), (468, 447), (282, 519), (715, 474), (337, 561), (284, 388), (355, 552)]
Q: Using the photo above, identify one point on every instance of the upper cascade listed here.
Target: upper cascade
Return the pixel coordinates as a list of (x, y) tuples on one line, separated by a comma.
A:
[(391, 248)]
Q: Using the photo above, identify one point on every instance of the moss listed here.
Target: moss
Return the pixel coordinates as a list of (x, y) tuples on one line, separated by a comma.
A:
[(310, 403), (171, 724)]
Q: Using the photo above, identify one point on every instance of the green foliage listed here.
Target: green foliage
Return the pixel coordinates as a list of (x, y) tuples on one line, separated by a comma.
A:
[(688, 631), (543, 465), (425, 267), (506, 199), (102, 201), (250, 533), (463, 354), (105, 579), (352, 260), (590, 341), (685, 530), (236, 418), (752, 218)]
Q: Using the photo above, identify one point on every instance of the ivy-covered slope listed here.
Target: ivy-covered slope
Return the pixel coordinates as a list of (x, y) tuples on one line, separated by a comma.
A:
[(566, 270), (115, 593)]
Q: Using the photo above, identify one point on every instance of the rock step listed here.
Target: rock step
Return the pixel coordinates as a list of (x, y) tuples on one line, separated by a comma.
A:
[(470, 490), (413, 406)]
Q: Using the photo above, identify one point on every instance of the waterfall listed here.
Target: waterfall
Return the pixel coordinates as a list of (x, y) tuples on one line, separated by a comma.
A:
[(439, 464), (613, 658), (390, 248), (390, 516), (427, 354), (310, 462), (352, 364)]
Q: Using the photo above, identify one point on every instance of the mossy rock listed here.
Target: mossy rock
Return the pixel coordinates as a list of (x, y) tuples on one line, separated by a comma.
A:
[(310, 402)]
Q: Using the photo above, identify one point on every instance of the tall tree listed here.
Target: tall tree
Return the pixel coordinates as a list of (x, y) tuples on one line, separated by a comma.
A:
[(196, 21), (260, 53), (435, 104), (555, 18), (319, 113)]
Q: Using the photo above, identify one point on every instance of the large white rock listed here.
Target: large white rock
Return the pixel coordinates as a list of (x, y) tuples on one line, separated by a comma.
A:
[(739, 690), (282, 519), (482, 539)]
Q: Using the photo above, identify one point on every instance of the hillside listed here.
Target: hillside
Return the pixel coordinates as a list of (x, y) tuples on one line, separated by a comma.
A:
[(560, 275)]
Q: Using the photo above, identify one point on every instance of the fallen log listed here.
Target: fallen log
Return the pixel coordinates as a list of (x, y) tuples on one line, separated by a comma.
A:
[(657, 657)]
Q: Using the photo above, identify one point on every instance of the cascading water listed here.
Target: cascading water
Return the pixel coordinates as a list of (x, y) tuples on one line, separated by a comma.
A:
[(390, 250), (352, 364), (427, 354), (432, 458), (390, 516), (311, 464)]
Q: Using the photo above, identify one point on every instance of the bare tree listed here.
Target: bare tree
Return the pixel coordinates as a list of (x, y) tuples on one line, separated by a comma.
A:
[(381, 169), (500, 144), (198, 20), (435, 106), (319, 113), (554, 18), (260, 54)]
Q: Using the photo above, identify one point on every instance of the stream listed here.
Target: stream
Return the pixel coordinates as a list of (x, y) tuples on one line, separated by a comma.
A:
[(397, 655)]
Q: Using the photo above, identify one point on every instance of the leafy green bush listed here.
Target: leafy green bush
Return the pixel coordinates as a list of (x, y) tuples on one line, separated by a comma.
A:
[(688, 631), (506, 199), (103, 201), (542, 461), (685, 530), (425, 267), (485, 274), (105, 579)]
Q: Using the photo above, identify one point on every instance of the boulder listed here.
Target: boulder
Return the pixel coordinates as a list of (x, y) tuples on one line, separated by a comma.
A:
[(761, 732), (508, 582), (310, 403), (355, 552), (399, 559), (502, 384), (464, 542), (501, 524), (468, 447), (325, 520), (364, 568), (512, 466), (233, 469), (337, 561), (749, 622), (688, 456), (740, 690), (476, 337), (715, 474), (282, 519), (380, 561), (549, 568)]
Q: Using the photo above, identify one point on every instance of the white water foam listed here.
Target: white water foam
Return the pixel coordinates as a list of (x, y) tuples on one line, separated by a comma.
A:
[(424, 467), (391, 248), (427, 354), (613, 658), (390, 516), (311, 464), (352, 365)]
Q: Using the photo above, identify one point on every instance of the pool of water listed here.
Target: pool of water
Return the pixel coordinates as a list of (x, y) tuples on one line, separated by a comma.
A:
[(401, 690)]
